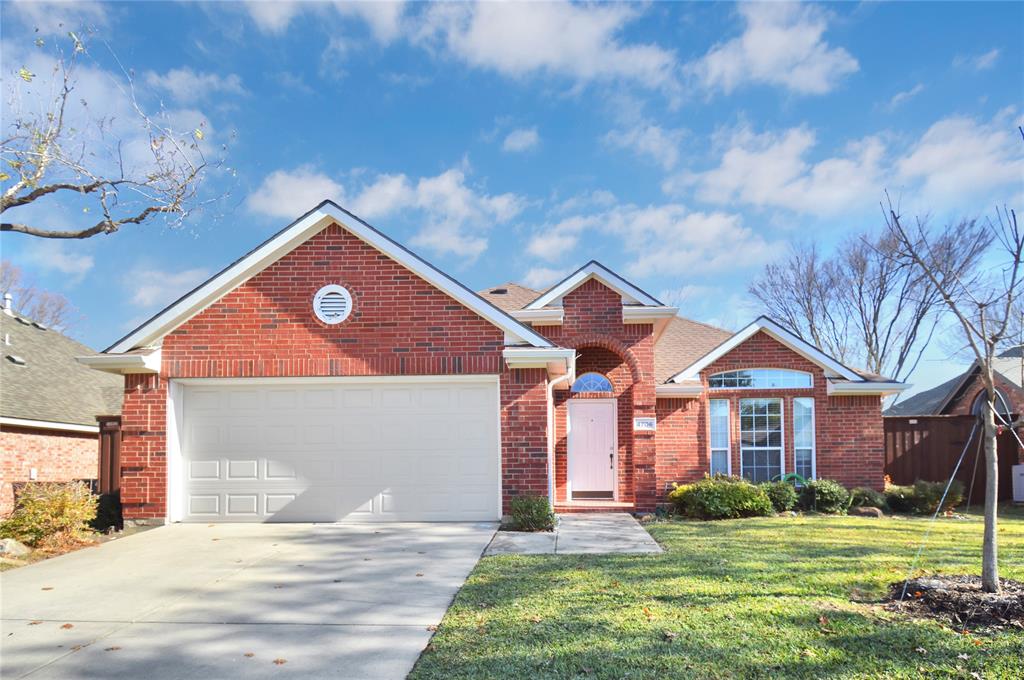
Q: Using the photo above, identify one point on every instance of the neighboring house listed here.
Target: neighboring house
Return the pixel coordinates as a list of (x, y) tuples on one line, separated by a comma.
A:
[(332, 373), (48, 406), (964, 394)]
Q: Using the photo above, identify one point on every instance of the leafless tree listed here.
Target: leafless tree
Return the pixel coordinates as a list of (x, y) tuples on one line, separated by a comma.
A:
[(48, 308), (984, 302), (115, 171), (862, 305)]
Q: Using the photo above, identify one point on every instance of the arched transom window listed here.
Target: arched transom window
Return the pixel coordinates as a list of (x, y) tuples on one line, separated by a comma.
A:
[(592, 382), (759, 378)]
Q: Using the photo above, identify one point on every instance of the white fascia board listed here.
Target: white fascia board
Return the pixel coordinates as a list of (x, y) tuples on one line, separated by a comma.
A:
[(801, 347), (557, 360), (866, 388), (287, 240), (687, 390), (594, 270), (637, 314), (123, 364), (549, 316), (48, 425)]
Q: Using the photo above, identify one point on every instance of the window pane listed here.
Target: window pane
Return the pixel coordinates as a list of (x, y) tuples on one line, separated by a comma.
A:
[(760, 378), (720, 462), (718, 410), (591, 382), (803, 436), (761, 438)]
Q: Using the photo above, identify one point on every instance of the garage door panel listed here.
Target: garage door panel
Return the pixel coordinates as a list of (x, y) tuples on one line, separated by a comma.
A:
[(372, 452)]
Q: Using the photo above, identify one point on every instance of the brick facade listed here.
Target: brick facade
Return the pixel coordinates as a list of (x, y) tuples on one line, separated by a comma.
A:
[(963, 400), (57, 456), (400, 325)]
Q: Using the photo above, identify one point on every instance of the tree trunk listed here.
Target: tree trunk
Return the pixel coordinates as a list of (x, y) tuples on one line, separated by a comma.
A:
[(989, 550)]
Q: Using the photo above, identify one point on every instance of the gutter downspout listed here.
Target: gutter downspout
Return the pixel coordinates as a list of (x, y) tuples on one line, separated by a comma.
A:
[(571, 376)]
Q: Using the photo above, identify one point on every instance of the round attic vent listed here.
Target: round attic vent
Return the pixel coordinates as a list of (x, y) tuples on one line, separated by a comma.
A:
[(332, 304)]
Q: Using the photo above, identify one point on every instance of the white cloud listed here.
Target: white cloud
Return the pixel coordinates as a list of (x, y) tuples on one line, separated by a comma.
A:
[(781, 45), (597, 198), (57, 256), (553, 241), (289, 193), (771, 170), (58, 18), (275, 16), (576, 41), (454, 217), (959, 157), (978, 62), (154, 287), (901, 97), (522, 139), (383, 17), (650, 140), (188, 86), (540, 278)]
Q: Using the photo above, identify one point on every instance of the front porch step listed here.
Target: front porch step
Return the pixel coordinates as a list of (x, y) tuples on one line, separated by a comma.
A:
[(594, 506)]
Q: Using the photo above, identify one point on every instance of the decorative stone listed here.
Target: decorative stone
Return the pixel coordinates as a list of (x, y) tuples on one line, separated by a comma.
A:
[(12, 548)]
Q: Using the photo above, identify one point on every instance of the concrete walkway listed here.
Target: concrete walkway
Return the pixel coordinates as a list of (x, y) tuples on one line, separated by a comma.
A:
[(225, 601), (584, 533)]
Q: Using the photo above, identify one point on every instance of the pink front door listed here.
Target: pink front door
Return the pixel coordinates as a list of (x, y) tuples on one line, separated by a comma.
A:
[(591, 472)]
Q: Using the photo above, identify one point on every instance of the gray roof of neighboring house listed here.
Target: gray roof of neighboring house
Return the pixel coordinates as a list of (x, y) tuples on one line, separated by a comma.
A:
[(930, 402), (51, 386)]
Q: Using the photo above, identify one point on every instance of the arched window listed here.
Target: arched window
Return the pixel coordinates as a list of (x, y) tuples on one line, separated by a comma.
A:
[(981, 403), (760, 378), (592, 382)]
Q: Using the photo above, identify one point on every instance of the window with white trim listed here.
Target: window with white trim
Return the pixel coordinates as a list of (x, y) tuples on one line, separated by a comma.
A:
[(718, 415), (591, 382), (760, 439), (803, 437), (760, 378)]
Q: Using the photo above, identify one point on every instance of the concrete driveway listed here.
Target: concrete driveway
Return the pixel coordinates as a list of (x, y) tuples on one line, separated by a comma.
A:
[(226, 601)]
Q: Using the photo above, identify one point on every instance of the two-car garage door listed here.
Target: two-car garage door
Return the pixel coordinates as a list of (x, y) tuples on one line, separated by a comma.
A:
[(325, 451)]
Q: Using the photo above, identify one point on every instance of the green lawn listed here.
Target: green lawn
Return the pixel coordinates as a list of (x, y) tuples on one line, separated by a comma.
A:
[(773, 597)]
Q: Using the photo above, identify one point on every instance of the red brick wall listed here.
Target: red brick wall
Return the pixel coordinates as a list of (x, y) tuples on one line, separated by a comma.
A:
[(57, 456), (964, 399), (400, 325), (849, 440), (625, 353)]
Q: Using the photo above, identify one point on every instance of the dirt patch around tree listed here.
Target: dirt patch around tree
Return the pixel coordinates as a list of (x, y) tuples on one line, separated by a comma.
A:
[(960, 601)]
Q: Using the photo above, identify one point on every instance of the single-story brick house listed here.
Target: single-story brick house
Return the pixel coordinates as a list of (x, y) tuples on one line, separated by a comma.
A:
[(48, 406), (332, 373)]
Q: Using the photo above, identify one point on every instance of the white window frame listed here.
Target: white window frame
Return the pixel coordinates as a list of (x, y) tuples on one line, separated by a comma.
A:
[(810, 377), (814, 435), (782, 432), (573, 390), (728, 437)]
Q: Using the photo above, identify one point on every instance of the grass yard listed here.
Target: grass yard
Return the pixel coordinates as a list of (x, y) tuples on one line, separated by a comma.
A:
[(772, 597)]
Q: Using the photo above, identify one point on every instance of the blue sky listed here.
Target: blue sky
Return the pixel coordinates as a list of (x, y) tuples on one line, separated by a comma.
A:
[(683, 145)]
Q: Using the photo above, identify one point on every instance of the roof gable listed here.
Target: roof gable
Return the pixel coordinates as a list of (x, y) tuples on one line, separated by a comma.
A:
[(594, 270), (779, 333), (288, 239)]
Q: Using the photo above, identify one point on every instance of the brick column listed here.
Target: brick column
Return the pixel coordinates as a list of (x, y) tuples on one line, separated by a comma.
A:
[(524, 447), (144, 448)]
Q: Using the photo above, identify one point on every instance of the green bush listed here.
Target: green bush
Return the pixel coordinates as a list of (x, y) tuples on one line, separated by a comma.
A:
[(825, 495), (530, 513), (720, 497), (863, 497), (900, 498), (51, 514), (928, 494), (782, 495)]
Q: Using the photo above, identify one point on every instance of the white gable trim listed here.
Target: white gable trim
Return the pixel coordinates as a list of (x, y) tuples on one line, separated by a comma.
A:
[(787, 338), (594, 270), (288, 239)]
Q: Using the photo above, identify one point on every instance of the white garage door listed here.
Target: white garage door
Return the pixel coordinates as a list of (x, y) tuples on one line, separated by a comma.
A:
[(376, 451)]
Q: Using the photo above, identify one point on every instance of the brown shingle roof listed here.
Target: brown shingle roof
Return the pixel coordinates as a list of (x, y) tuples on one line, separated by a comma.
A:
[(51, 385), (515, 296), (683, 342)]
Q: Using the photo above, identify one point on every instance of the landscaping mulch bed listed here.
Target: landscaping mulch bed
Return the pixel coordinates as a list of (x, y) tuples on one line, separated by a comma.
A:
[(961, 601)]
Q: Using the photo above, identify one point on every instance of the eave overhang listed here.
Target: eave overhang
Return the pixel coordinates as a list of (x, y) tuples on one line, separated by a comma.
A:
[(123, 364)]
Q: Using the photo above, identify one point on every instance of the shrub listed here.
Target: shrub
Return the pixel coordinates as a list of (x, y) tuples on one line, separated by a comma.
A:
[(51, 514), (720, 497), (900, 498), (928, 494), (781, 494), (825, 495), (863, 497), (531, 513)]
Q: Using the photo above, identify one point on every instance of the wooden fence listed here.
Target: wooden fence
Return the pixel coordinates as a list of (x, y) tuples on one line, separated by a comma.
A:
[(927, 447)]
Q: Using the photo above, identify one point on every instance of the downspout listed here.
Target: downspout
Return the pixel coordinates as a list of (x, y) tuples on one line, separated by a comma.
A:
[(570, 375)]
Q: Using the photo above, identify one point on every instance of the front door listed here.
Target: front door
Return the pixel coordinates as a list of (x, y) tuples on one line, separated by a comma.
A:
[(591, 448)]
